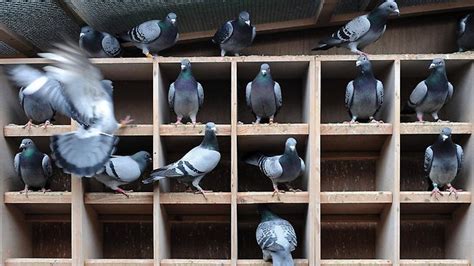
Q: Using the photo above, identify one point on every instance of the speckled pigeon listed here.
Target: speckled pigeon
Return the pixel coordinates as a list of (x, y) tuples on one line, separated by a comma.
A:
[(185, 95), (154, 36), (40, 96), (280, 168), (364, 94), (431, 94), (85, 151), (193, 166), (235, 35), (99, 44), (32, 166), (466, 33), (263, 95), (443, 161), (122, 170), (276, 237), (361, 31)]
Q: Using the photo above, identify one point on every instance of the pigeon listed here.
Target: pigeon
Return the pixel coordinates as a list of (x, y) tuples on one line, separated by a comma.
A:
[(235, 35), (263, 95), (361, 31), (153, 36), (276, 237), (364, 94), (466, 33), (443, 161), (40, 96), (32, 166), (85, 151), (99, 44), (121, 170), (185, 95), (280, 168), (431, 94), (195, 164)]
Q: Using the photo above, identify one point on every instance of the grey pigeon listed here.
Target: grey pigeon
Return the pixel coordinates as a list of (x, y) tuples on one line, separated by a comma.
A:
[(121, 170), (364, 94), (466, 33), (235, 35), (185, 95), (280, 168), (154, 36), (85, 151), (361, 31), (195, 164), (430, 95), (263, 95), (99, 44), (276, 237), (40, 96), (32, 166), (443, 161)]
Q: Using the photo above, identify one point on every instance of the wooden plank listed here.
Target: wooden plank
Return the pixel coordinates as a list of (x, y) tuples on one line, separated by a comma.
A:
[(119, 262), (273, 129), (352, 156), (298, 262), (186, 262), (313, 219), (328, 8), (113, 198), (362, 197), (38, 262), (38, 198), (268, 197), (355, 262), (190, 130), (425, 197), (356, 129), (434, 128), (18, 131), (234, 179), (437, 262), (135, 130), (192, 198)]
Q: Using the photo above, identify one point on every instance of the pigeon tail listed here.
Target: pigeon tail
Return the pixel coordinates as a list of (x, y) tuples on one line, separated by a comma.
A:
[(327, 43), (81, 152), (282, 258), (321, 47), (254, 159), (152, 179)]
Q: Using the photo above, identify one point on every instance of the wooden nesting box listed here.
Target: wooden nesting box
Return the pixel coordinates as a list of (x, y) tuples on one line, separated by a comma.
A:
[(364, 198)]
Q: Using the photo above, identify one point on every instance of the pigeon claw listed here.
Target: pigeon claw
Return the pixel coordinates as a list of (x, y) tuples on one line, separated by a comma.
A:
[(203, 192), (46, 124), (29, 125), (435, 192), (126, 121), (26, 190), (121, 191), (454, 191)]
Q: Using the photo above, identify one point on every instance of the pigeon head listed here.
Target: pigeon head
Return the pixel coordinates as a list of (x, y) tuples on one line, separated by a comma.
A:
[(264, 69), (143, 158), (389, 7), (87, 30), (438, 63), (185, 65), (26, 144), (210, 139), (266, 213), (363, 63), (244, 16), (290, 145), (171, 17), (445, 134)]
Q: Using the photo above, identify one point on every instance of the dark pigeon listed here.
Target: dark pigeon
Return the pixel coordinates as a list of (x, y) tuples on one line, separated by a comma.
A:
[(263, 95), (276, 237), (185, 95), (99, 44), (364, 94), (431, 94), (443, 161), (361, 31), (235, 35), (466, 33), (154, 36), (32, 166)]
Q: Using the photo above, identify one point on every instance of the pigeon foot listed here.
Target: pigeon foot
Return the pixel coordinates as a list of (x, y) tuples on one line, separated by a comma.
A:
[(26, 190), (148, 55), (203, 192), (44, 190), (277, 193), (452, 190), (442, 121), (29, 125), (126, 121), (46, 124), (121, 191), (435, 192)]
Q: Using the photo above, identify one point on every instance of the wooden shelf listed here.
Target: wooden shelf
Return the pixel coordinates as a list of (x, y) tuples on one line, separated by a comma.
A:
[(19, 131), (355, 202), (119, 262), (434, 128), (298, 262), (356, 129), (418, 202), (38, 262), (191, 198), (186, 262), (190, 130), (136, 130), (268, 197), (437, 262), (273, 129), (355, 262), (112, 203), (40, 203)]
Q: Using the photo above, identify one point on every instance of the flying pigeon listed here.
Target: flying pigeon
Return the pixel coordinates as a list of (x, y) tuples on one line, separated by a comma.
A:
[(121, 170), (443, 161), (85, 151), (280, 168), (364, 94), (195, 164), (263, 95), (276, 237), (235, 35), (40, 96), (430, 95), (361, 31), (185, 95), (154, 36), (466, 33), (32, 166), (99, 44)]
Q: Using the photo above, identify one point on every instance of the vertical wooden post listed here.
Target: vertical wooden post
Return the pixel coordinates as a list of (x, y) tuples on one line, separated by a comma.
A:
[(315, 157), (234, 161)]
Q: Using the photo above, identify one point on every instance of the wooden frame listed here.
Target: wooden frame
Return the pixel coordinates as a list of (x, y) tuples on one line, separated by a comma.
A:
[(385, 209)]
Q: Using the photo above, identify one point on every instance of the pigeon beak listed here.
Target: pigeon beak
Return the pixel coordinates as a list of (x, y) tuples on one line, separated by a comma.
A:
[(183, 67), (264, 72), (444, 137), (214, 129), (432, 66), (292, 148), (81, 34), (397, 11), (22, 146), (358, 63), (173, 20), (247, 22)]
